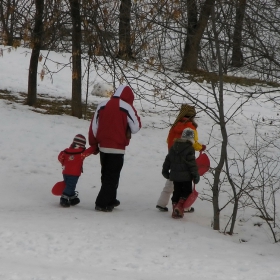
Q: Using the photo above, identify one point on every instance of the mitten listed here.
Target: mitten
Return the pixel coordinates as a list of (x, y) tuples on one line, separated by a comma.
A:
[(196, 179), (203, 148), (96, 149), (165, 174)]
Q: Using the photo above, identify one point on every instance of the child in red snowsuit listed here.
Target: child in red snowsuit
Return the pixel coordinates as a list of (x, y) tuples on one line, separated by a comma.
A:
[(72, 166)]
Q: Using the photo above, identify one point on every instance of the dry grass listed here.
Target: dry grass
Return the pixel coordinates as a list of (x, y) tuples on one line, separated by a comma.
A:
[(200, 76), (48, 105), (60, 106)]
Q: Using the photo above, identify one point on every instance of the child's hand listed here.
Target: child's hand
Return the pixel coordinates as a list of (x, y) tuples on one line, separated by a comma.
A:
[(96, 151), (196, 179), (165, 174)]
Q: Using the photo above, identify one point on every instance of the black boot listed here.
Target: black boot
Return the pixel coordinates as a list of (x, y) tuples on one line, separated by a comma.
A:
[(161, 208), (116, 203), (74, 200), (64, 201), (104, 209)]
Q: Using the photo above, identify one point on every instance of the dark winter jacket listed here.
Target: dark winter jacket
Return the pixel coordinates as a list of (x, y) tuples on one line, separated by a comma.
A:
[(180, 164), (112, 120)]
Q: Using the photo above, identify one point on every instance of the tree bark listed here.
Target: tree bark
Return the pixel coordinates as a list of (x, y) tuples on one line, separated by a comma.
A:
[(125, 51), (7, 20), (237, 56), (222, 123), (194, 32), (76, 102), (36, 48)]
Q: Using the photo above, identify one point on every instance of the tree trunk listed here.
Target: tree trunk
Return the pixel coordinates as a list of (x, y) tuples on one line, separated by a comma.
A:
[(7, 20), (194, 33), (36, 47), (76, 59), (222, 123), (218, 169), (125, 51), (234, 214), (237, 56)]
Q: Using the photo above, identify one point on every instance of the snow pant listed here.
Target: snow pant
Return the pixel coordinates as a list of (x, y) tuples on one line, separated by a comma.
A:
[(111, 166), (71, 182), (181, 190), (166, 193)]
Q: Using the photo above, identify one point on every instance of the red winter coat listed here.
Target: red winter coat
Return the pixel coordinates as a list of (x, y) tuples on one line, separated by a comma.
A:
[(111, 121), (72, 160)]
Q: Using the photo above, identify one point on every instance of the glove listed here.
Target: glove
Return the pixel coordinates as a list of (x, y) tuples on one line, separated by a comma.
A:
[(165, 174), (196, 179), (96, 149), (203, 148)]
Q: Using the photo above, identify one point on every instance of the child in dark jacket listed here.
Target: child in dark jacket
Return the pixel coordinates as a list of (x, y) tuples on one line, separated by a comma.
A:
[(185, 119), (72, 166), (181, 168)]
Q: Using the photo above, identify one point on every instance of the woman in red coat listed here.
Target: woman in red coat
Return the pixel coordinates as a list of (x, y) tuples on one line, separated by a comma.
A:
[(113, 122)]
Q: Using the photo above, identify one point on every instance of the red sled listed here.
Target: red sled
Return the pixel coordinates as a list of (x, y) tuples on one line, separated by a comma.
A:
[(191, 198), (203, 164), (58, 188)]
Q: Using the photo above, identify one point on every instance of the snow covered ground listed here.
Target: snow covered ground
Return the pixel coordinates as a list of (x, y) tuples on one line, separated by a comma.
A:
[(39, 240)]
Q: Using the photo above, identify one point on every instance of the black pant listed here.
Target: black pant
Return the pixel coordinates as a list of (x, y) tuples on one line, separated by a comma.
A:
[(111, 166), (181, 189)]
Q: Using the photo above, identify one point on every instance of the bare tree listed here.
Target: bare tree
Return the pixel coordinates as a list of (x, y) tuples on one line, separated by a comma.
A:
[(15, 18), (36, 43), (263, 183), (7, 11), (76, 102), (195, 30), (237, 56), (125, 51)]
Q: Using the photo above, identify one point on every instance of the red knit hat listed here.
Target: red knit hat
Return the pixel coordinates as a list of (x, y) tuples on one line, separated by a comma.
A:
[(79, 140)]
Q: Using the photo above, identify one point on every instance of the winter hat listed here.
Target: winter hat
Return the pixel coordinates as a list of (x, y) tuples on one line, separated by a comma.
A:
[(79, 140), (188, 134), (185, 111)]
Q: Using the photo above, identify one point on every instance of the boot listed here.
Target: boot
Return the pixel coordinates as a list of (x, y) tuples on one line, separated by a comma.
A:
[(179, 207), (64, 201), (174, 214), (74, 200), (189, 210), (104, 209), (116, 203), (161, 208)]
